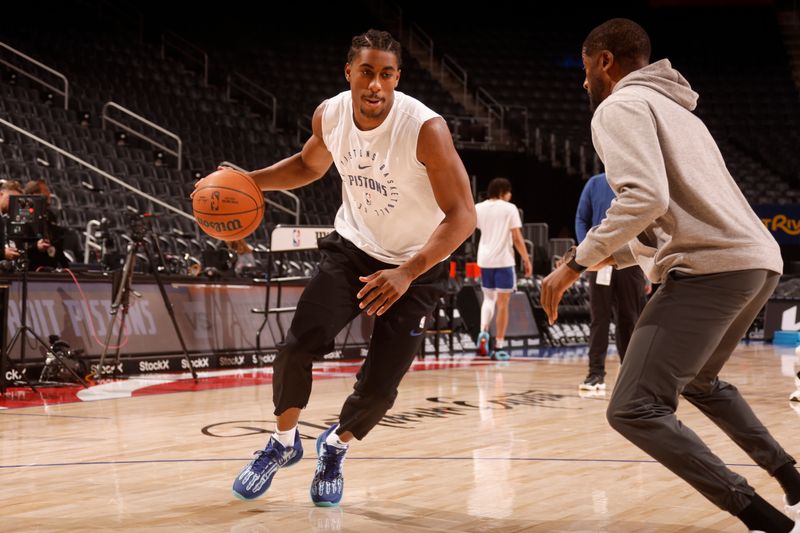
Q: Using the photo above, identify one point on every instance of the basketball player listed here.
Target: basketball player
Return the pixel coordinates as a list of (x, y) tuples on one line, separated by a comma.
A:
[(406, 205), (681, 217), (499, 222)]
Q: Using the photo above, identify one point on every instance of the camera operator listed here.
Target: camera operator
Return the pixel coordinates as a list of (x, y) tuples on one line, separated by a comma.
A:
[(47, 252), (9, 188)]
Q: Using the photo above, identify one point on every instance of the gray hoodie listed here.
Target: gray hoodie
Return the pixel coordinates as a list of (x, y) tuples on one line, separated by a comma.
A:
[(677, 206)]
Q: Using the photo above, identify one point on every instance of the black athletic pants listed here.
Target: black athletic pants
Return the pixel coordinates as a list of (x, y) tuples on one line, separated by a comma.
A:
[(625, 298), (327, 305)]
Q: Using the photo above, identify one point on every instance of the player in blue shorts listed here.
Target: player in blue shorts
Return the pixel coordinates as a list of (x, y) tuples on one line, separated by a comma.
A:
[(500, 223)]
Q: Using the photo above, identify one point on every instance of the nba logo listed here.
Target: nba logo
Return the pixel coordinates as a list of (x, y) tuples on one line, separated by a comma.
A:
[(368, 198), (296, 237), (215, 201)]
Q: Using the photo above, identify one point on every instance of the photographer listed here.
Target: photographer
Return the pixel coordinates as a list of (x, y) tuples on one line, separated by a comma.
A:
[(9, 188), (47, 252)]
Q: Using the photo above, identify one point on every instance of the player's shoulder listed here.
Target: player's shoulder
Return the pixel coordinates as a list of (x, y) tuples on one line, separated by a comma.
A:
[(413, 108), (335, 101)]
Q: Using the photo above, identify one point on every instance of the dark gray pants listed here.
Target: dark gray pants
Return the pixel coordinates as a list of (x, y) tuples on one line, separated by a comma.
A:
[(684, 336)]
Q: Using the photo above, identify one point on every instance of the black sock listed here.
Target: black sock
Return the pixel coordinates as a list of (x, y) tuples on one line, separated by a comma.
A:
[(789, 478), (762, 516)]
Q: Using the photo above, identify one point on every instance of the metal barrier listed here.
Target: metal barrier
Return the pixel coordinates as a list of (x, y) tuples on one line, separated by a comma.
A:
[(189, 50), (114, 106), (255, 92), (62, 91)]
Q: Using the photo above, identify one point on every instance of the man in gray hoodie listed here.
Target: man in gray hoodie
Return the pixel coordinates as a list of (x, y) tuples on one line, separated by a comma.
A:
[(680, 216)]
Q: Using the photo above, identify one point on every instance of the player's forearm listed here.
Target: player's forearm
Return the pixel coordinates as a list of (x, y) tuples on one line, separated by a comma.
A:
[(289, 173), (519, 245), (454, 229)]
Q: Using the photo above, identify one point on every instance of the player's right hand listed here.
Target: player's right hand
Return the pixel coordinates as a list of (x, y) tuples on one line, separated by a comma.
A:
[(199, 183)]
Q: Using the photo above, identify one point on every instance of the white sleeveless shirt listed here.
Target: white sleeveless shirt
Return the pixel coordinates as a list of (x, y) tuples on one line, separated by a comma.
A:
[(388, 207)]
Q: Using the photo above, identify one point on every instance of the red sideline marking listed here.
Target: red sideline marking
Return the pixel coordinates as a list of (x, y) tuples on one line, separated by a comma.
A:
[(23, 397)]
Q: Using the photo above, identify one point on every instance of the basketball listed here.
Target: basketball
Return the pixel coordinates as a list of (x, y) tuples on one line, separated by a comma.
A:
[(228, 205)]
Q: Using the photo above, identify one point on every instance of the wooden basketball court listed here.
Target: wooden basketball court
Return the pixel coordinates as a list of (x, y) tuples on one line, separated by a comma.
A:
[(469, 446)]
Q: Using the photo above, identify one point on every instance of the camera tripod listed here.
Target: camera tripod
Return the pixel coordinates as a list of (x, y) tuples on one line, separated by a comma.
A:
[(121, 299), (22, 333)]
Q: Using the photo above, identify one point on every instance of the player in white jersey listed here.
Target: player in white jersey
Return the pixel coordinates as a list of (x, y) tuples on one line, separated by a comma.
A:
[(406, 206), (500, 224)]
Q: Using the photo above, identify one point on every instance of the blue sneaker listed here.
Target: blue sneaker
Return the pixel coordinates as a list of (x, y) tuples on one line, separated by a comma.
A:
[(483, 343), (256, 477), (328, 484), (500, 355)]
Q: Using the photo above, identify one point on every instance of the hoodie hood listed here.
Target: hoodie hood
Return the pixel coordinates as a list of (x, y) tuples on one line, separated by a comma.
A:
[(662, 78)]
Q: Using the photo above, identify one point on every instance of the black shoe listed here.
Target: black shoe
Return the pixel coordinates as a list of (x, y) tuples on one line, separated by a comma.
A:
[(593, 382)]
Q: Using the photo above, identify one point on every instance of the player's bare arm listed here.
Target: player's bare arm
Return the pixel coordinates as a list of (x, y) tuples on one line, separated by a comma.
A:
[(304, 167), (519, 244)]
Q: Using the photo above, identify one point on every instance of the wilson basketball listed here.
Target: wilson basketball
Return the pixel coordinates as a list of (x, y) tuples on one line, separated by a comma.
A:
[(228, 205)]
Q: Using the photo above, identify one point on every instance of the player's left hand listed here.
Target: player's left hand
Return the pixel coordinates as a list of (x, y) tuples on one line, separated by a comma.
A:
[(382, 289), (527, 268), (553, 288)]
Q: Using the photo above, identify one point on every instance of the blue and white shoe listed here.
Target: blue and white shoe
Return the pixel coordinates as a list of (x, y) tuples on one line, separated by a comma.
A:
[(256, 477), (328, 484), (483, 343), (500, 355)]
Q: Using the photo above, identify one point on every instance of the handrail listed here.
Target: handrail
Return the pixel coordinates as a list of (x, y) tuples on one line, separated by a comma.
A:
[(93, 168), (64, 92), (454, 69), (106, 118), (91, 241), (493, 107), (178, 40), (456, 131), (291, 196), (415, 32), (267, 99)]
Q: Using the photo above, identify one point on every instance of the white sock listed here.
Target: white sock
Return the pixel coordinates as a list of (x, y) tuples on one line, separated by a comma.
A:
[(286, 438), (333, 440), (487, 307), (499, 343)]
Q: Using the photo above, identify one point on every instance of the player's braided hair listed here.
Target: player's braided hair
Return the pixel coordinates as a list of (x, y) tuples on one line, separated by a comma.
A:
[(376, 40)]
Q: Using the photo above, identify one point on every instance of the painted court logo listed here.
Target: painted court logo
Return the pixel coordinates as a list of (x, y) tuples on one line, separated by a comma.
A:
[(369, 182)]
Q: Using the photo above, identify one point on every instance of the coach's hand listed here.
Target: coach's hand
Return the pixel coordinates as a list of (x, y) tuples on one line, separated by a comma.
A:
[(382, 289), (553, 288)]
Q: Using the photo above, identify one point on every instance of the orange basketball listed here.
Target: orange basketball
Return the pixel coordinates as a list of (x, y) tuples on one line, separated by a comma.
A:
[(229, 205)]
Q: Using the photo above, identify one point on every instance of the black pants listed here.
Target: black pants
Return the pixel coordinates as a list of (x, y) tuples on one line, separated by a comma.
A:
[(327, 305), (685, 335), (625, 299)]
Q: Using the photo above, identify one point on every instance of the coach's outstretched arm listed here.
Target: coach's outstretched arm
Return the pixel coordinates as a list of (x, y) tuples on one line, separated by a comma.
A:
[(450, 185)]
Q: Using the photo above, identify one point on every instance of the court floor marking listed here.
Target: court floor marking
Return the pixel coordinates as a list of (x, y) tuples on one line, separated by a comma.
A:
[(386, 458)]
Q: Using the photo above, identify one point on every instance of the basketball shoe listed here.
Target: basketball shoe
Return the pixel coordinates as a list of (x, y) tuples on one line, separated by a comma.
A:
[(483, 343), (327, 486), (256, 477), (593, 382), (500, 355)]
